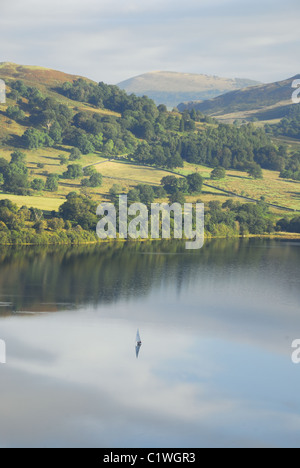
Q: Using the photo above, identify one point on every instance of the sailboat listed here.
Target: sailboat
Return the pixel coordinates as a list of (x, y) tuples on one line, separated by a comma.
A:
[(138, 343)]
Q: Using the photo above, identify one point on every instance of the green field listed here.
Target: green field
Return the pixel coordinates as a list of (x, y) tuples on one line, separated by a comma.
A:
[(42, 203), (282, 192), (132, 174)]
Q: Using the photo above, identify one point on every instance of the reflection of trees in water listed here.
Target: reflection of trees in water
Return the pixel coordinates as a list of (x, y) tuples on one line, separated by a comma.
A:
[(47, 279)]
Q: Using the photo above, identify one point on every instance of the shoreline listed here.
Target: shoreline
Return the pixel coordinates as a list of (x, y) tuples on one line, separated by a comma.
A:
[(274, 236)]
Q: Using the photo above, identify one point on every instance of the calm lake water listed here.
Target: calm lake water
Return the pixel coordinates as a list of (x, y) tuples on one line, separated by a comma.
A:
[(215, 366)]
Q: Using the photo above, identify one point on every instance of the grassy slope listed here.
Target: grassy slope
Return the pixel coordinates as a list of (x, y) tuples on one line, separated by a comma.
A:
[(45, 80), (248, 115), (277, 191), (40, 202), (282, 192), (247, 103)]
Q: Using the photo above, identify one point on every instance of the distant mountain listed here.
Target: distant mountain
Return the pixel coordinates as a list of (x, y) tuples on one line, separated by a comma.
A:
[(262, 101), (170, 88)]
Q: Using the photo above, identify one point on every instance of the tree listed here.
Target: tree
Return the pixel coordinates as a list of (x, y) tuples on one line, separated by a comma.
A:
[(193, 115), (52, 183), (38, 185), (17, 157), (175, 161), (147, 194), (85, 183), (218, 173), (63, 160), (74, 172), (133, 196), (40, 226), (177, 197), (89, 171), (75, 154), (181, 129), (72, 195), (215, 205), (292, 225), (189, 125), (170, 184), (160, 192), (115, 190), (255, 171), (9, 217), (162, 108), (3, 165), (34, 139), (9, 205), (97, 141), (15, 113), (56, 224), (84, 144), (183, 185), (195, 182), (36, 214), (80, 211), (15, 175), (109, 146), (55, 132), (94, 181)]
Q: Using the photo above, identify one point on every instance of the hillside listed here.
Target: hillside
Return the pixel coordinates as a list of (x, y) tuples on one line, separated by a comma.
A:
[(67, 143), (46, 160), (262, 102), (35, 76), (170, 88)]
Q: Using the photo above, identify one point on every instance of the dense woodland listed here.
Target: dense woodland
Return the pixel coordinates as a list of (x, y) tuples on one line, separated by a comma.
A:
[(289, 125), (292, 168), (146, 133)]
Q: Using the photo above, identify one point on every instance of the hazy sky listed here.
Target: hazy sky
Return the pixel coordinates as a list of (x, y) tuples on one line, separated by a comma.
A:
[(112, 40)]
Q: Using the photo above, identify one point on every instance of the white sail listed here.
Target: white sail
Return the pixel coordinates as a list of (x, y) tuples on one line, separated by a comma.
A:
[(137, 350), (138, 338)]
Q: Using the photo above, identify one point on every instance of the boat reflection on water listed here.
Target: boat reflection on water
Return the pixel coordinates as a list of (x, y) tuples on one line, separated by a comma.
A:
[(138, 344)]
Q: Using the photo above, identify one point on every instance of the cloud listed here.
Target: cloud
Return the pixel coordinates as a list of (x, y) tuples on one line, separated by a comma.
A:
[(81, 385), (97, 382), (112, 40)]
